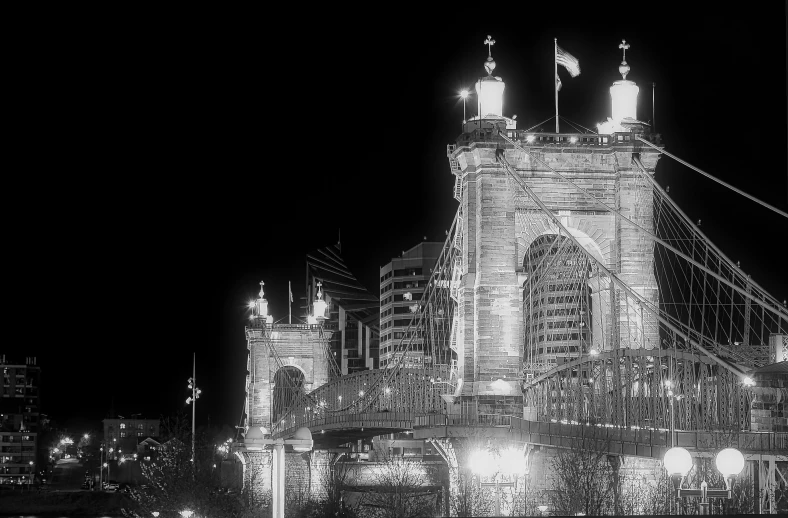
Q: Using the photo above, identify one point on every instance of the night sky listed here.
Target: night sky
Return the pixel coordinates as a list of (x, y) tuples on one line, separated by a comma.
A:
[(163, 164)]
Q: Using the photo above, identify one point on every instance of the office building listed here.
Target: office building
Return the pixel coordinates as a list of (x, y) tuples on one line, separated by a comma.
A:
[(402, 284), (19, 419)]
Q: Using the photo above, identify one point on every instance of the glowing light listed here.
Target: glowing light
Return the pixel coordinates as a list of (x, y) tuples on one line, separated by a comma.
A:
[(360, 393), (542, 508), (387, 391), (86, 436), (186, 513), (573, 140), (490, 95), (593, 352), (251, 304), (530, 138), (677, 461), (729, 462), (748, 381), (155, 513), (483, 463), (105, 464), (624, 95), (464, 94)]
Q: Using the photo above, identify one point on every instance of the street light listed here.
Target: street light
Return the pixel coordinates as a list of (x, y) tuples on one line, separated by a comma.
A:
[(508, 462), (542, 508), (255, 440), (193, 398), (31, 472), (464, 94), (678, 463)]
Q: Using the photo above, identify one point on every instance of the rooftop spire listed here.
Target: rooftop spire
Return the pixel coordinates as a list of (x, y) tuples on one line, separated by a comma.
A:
[(262, 294), (624, 68), (489, 65)]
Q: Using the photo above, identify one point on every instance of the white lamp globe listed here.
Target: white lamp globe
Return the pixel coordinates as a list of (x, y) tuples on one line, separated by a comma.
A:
[(729, 462), (303, 434), (678, 461), (482, 463)]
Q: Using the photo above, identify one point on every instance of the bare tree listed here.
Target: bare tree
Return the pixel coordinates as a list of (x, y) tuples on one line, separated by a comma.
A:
[(583, 479), (403, 488), (468, 498)]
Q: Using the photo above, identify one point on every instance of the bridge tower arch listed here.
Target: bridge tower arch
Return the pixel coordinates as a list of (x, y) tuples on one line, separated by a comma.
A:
[(283, 361), (591, 184)]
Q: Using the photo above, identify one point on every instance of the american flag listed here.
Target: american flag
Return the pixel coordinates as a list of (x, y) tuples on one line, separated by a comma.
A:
[(569, 62)]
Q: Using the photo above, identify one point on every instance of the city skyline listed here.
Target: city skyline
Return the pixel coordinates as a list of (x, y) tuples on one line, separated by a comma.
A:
[(196, 173)]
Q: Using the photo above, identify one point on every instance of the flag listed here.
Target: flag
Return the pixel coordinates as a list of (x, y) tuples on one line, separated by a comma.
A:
[(290, 291), (557, 83), (569, 62)]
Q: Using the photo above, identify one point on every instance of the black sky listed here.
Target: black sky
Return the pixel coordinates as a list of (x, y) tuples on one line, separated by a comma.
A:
[(162, 164)]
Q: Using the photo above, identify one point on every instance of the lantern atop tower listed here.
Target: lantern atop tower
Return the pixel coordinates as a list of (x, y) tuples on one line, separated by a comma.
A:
[(489, 90), (624, 97)]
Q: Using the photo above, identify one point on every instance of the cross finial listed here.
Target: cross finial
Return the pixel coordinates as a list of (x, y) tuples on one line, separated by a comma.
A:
[(261, 289), (489, 42), (624, 45)]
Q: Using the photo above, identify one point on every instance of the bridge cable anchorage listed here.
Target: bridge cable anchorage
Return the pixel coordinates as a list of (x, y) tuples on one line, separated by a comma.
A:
[(624, 286), (707, 175), (429, 329), (684, 256)]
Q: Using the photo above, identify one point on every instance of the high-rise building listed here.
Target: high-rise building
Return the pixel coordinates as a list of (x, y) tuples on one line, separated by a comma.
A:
[(402, 284), (19, 419), (352, 312)]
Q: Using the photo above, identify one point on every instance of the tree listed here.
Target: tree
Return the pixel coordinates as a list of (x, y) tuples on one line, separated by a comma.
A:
[(175, 481), (333, 477), (402, 489), (468, 498), (583, 478)]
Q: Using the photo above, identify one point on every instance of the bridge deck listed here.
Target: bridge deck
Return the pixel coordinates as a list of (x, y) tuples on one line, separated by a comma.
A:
[(330, 431)]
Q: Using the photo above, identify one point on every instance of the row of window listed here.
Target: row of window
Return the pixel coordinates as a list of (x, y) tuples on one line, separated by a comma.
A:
[(403, 285), (559, 337), (401, 297), (401, 273)]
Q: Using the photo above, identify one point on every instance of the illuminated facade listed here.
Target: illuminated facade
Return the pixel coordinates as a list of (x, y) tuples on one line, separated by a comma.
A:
[(19, 419), (402, 283), (352, 313)]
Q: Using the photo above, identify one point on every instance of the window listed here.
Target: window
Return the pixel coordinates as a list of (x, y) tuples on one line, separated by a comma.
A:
[(140, 426), (122, 426), (139, 434), (122, 434)]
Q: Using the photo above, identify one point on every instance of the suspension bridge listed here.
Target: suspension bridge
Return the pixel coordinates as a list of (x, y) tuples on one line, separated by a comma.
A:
[(571, 293)]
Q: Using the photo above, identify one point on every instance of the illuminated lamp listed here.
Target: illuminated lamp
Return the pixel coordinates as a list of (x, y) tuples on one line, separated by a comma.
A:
[(490, 94), (530, 138), (624, 95), (729, 462), (483, 463), (302, 440), (319, 304), (677, 461)]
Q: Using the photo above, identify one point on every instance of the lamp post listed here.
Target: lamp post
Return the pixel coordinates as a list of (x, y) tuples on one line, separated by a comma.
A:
[(255, 440), (464, 94), (192, 400), (508, 463), (678, 462), (30, 483)]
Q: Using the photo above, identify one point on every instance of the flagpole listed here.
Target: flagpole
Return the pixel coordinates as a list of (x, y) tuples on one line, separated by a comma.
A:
[(289, 303), (555, 79)]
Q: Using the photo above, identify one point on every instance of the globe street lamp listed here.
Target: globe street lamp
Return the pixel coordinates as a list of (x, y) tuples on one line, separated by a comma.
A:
[(542, 509), (255, 440), (509, 462), (678, 462)]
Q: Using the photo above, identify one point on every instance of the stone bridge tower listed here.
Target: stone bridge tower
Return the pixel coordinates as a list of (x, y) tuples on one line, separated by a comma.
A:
[(502, 229), (283, 359)]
